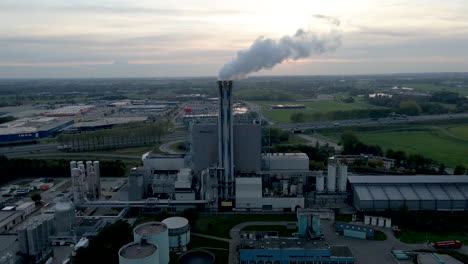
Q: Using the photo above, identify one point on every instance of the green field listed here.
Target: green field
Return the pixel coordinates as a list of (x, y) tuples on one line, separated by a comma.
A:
[(220, 225), (283, 116), (448, 146)]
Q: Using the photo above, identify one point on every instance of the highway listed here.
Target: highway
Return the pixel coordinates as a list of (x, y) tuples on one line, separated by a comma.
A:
[(17, 151)]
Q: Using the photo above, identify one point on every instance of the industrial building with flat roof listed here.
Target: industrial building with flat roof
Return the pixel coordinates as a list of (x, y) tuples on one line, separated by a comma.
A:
[(442, 193), (71, 110), (258, 248), (29, 129)]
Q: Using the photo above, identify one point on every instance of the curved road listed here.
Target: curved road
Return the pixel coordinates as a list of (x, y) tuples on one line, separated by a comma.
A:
[(166, 147)]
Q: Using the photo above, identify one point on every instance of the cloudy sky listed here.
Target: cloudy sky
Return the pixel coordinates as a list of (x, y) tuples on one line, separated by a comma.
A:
[(147, 38)]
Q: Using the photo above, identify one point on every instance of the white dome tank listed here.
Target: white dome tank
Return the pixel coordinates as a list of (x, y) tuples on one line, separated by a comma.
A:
[(64, 218), (156, 233), (179, 232), (141, 252)]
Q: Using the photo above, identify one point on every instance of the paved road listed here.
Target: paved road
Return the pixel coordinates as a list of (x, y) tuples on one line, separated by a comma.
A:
[(166, 147), (84, 154)]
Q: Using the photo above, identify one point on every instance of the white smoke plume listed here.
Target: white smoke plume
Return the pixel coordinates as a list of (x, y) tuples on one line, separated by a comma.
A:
[(266, 53), (333, 20)]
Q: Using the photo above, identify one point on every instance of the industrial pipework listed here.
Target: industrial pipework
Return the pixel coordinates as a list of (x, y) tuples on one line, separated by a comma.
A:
[(225, 140)]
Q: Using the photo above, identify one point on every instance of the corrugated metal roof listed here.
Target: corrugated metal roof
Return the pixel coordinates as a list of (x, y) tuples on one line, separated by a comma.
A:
[(408, 193), (438, 192), (423, 192), (393, 193), (377, 192), (363, 193), (453, 192), (408, 179)]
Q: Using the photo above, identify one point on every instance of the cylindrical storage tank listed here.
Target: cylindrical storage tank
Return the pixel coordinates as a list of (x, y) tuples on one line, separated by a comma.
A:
[(331, 178), (156, 233), (179, 232), (141, 252), (374, 221), (342, 177), (64, 218), (381, 222), (33, 240), (97, 178), (388, 222), (367, 220), (197, 257), (136, 184), (72, 164), (293, 189), (23, 240), (320, 184)]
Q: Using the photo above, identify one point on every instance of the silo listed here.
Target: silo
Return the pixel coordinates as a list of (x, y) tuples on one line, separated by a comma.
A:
[(157, 233), (320, 184), (64, 218), (141, 252), (90, 178), (72, 164), (136, 184), (179, 232), (342, 177), (331, 178), (97, 179), (23, 239), (33, 247)]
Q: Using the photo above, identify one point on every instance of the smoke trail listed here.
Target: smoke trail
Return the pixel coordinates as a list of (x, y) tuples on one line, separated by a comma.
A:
[(266, 53)]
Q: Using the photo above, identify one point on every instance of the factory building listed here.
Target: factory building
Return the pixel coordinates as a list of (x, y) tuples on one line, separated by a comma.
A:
[(31, 129), (352, 230), (442, 193), (72, 110), (259, 247), (9, 218)]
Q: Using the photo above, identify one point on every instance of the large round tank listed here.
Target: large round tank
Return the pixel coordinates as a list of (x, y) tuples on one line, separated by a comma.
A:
[(157, 233), (64, 218), (179, 232), (320, 185), (331, 178), (141, 252), (197, 257)]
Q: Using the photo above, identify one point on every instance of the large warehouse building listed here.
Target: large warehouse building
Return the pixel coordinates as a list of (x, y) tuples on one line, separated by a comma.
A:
[(442, 193)]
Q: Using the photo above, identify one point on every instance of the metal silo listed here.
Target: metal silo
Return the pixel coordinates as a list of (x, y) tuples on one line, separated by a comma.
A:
[(342, 177), (331, 178), (179, 232), (97, 179), (136, 184), (320, 184), (64, 218), (157, 233), (141, 252)]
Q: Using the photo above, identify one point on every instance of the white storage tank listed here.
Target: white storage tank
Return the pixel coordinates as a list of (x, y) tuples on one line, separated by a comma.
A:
[(156, 233), (374, 221), (331, 178), (320, 185), (64, 218), (381, 222), (342, 177), (179, 232), (141, 252), (367, 220)]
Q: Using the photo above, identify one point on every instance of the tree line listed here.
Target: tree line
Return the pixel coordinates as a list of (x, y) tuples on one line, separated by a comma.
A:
[(301, 117)]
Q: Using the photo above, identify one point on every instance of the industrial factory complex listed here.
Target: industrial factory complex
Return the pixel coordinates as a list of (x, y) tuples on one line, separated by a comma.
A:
[(226, 171)]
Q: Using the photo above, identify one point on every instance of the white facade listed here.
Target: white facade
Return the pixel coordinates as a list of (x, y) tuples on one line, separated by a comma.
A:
[(249, 192), (161, 163), (281, 203), (320, 184), (331, 178), (342, 173)]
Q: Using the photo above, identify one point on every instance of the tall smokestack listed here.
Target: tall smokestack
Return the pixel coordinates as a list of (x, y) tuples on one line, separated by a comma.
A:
[(225, 139)]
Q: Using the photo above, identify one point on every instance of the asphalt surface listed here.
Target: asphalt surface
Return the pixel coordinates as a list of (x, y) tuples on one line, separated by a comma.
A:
[(166, 147)]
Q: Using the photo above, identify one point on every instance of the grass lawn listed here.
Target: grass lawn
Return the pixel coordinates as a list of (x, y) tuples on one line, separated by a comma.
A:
[(283, 231), (220, 225), (344, 218), (379, 235), (459, 131), (431, 143), (179, 147), (415, 237)]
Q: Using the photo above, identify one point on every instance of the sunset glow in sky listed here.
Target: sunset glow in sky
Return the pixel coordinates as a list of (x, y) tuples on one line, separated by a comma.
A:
[(146, 38)]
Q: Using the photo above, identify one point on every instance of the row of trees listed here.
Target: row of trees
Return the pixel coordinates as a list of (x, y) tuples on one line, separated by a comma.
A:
[(112, 138)]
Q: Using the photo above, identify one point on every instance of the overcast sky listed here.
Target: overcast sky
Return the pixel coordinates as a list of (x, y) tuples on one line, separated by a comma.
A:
[(147, 38)]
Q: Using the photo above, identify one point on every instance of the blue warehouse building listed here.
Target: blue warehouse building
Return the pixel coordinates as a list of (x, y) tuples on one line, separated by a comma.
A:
[(255, 248), (31, 129), (356, 231)]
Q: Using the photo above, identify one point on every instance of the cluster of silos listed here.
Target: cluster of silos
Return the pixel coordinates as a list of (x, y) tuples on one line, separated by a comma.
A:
[(377, 221), (64, 218), (337, 177), (33, 235), (86, 180), (179, 233)]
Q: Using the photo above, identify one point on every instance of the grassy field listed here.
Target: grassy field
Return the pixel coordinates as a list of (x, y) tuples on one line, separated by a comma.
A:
[(415, 237), (379, 235), (220, 225), (283, 116), (459, 131), (430, 142), (283, 231), (429, 87)]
